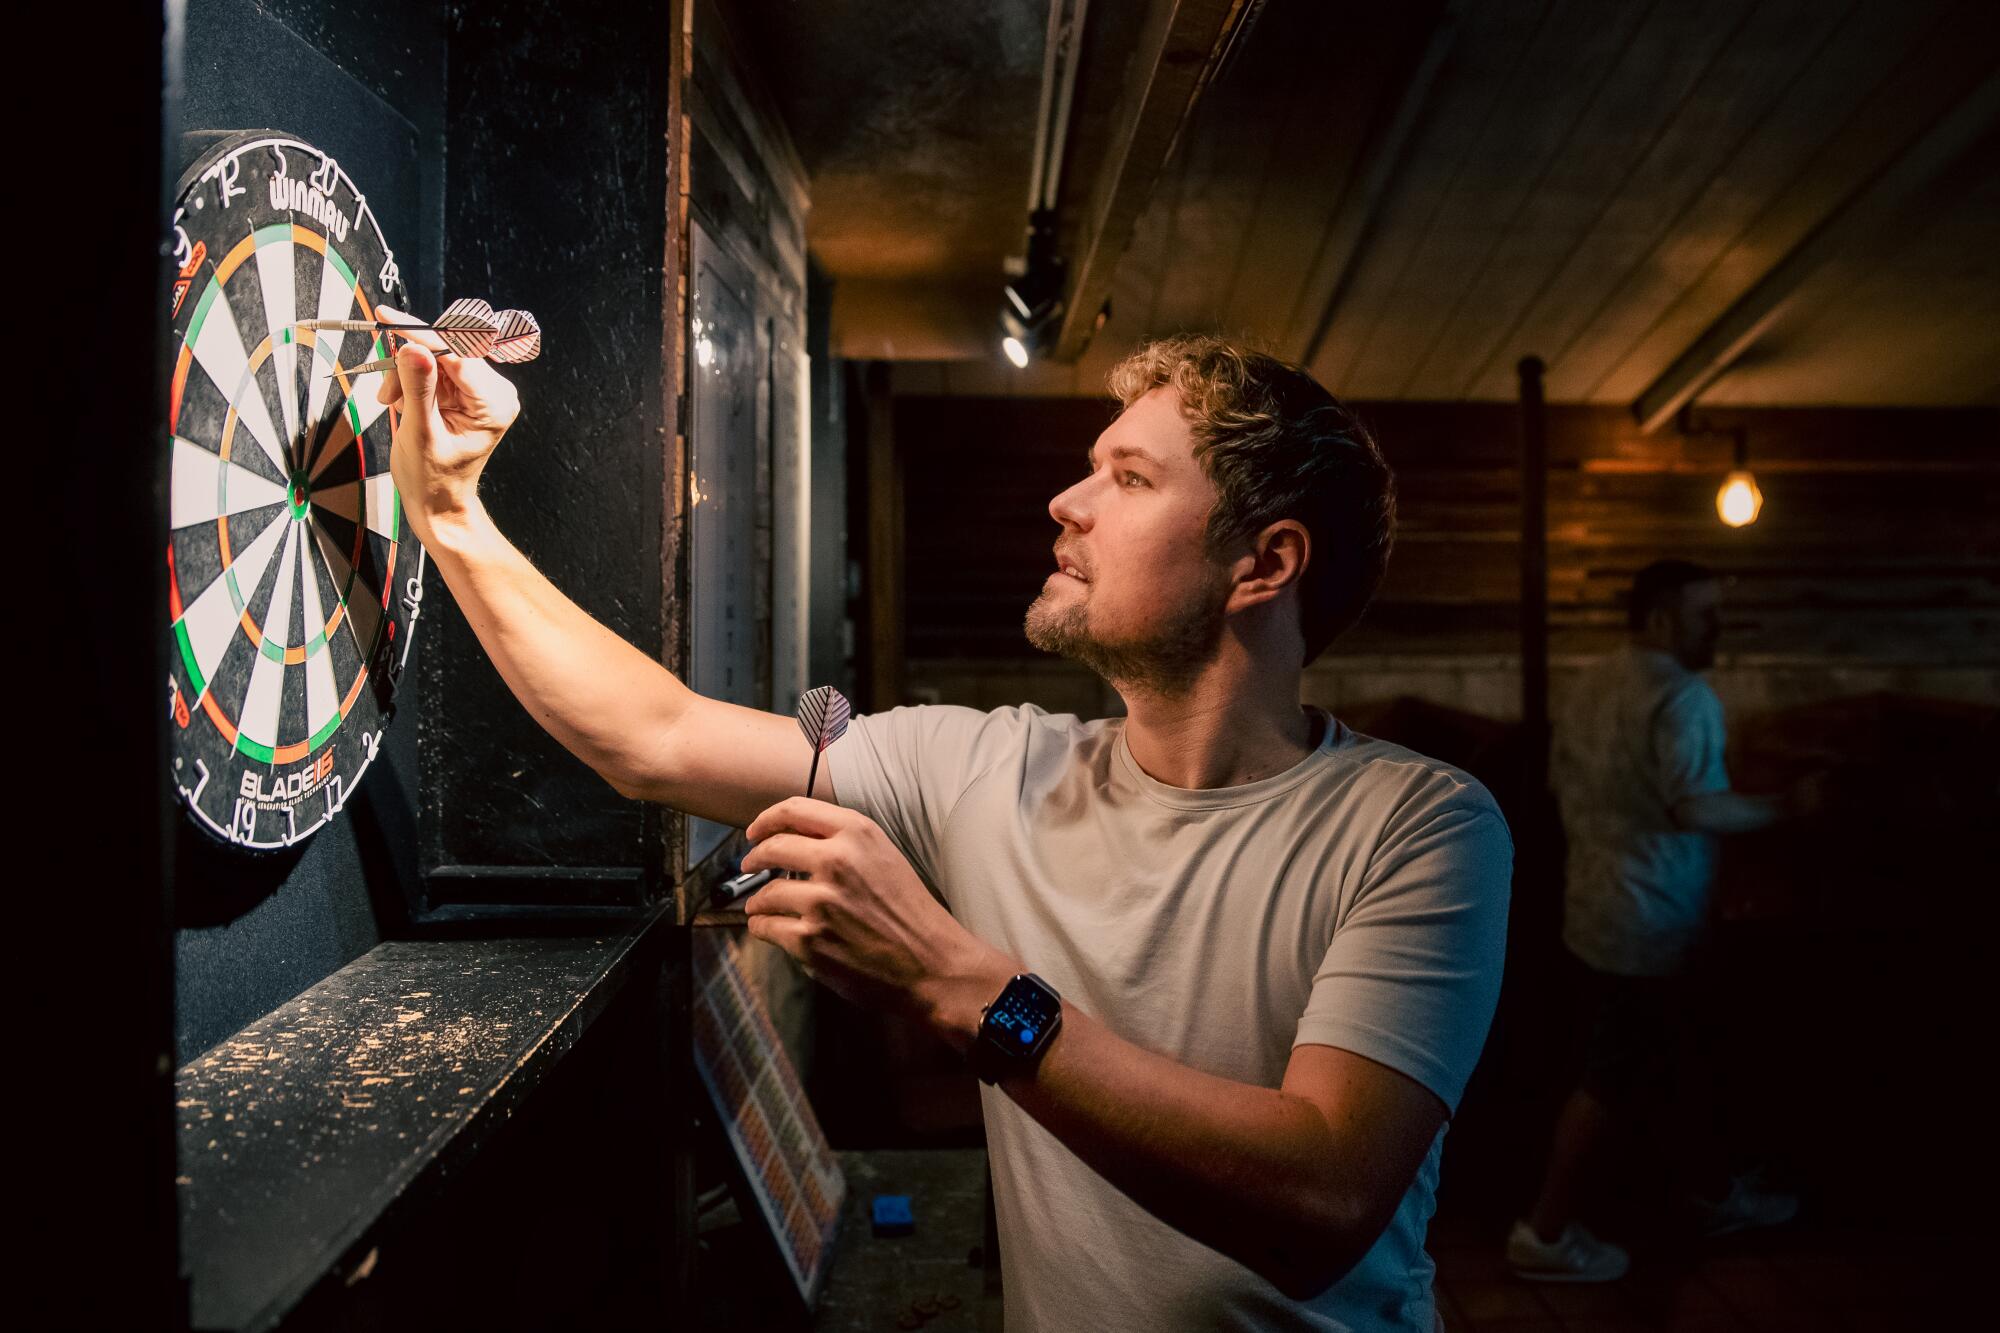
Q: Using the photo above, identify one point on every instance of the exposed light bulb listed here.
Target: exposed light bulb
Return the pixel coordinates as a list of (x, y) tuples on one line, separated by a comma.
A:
[(1016, 351), (1739, 500)]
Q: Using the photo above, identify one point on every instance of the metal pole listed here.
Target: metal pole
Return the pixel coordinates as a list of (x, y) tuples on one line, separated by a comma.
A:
[(1534, 573)]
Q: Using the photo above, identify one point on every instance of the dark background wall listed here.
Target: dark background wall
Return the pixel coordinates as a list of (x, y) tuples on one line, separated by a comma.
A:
[(1876, 543), (557, 202)]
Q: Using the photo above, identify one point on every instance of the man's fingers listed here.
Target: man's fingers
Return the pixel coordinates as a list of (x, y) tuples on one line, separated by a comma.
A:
[(801, 814), (787, 932), (787, 897), (787, 851), (482, 390), (417, 369), (390, 391)]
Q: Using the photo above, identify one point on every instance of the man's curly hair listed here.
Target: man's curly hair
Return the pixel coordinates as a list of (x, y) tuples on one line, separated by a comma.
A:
[(1276, 445)]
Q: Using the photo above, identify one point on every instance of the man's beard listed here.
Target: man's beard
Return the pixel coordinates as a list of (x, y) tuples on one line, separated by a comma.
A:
[(1165, 661)]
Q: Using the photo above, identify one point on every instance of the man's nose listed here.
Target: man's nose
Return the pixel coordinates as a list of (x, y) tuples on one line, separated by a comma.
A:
[(1069, 507)]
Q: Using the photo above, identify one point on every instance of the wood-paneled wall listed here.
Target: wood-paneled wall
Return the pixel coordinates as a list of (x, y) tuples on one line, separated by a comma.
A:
[(1879, 541)]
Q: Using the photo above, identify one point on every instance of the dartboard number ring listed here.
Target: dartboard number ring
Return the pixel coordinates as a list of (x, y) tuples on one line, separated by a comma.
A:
[(293, 584)]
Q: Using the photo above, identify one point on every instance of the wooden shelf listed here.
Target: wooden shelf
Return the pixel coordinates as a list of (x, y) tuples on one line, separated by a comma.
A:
[(307, 1131)]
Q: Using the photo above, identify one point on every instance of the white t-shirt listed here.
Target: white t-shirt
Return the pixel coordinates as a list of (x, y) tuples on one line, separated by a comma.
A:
[(1357, 900), (1638, 732)]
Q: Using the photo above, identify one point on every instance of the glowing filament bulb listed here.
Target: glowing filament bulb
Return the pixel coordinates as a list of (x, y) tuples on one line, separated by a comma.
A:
[(1739, 500), (1016, 352)]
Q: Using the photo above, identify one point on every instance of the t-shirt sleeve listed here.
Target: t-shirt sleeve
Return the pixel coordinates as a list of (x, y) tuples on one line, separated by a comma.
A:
[(1413, 972), (1689, 741), (906, 768)]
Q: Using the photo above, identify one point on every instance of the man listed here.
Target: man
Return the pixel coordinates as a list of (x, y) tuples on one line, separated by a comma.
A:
[(1638, 771), (1274, 944)]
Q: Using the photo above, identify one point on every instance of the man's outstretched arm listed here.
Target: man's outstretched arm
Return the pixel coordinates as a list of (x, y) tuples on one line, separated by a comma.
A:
[(612, 706)]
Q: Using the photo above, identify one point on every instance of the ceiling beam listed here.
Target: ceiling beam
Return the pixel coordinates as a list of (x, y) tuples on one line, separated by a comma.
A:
[(1354, 216), (1181, 44), (1906, 184)]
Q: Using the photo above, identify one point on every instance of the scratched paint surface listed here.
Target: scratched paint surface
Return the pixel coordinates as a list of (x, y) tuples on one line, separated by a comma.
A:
[(298, 1133)]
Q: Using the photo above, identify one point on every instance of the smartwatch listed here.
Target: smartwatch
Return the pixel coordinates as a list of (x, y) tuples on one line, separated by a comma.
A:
[(1016, 1029)]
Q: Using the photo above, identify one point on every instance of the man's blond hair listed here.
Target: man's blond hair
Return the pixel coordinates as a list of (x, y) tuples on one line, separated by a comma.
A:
[(1276, 445)]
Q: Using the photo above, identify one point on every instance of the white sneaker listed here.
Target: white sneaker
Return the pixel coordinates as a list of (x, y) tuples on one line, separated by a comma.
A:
[(1745, 1206), (1575, 1256)]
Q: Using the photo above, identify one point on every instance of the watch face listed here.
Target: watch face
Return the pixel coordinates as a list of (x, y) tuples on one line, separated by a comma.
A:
[(1023, 1013)]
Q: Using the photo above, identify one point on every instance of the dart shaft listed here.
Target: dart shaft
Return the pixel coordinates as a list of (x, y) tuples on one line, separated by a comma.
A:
[(363, 369), (356, 325)]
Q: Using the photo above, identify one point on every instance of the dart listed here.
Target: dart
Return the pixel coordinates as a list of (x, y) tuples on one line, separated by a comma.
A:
[(823, 718), (468, 328)]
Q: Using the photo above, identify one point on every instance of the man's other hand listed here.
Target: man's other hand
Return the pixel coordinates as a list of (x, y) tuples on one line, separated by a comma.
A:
[(863, 922), (454, 412)]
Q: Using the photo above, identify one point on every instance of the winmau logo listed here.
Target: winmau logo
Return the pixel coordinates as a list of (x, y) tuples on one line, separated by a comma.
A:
[(300, 197)]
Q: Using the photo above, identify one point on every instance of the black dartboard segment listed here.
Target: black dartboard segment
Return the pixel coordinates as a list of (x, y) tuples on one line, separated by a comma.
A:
[(293, 583)]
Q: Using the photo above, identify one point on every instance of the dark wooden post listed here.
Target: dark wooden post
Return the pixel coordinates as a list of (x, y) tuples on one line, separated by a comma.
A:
[(885, 545), (1534, 574)]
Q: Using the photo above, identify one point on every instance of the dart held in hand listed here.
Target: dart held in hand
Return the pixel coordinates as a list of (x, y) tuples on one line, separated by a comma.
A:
[(469, 328), (823, 717)]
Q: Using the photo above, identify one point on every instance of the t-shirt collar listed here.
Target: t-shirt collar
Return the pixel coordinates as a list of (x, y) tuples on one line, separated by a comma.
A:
[(1335, 736)]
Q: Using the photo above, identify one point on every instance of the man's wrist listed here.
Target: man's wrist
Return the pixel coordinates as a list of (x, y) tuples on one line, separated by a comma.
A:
[(954, 998), (458, 528)]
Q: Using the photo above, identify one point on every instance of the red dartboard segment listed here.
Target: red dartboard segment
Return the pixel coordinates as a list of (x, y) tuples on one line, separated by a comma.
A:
[(291, 599)]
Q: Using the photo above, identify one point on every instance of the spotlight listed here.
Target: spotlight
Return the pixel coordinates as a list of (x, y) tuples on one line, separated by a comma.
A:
[(1032, 301)]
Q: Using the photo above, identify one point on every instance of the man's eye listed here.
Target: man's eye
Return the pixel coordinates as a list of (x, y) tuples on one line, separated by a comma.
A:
[(1131, 477)]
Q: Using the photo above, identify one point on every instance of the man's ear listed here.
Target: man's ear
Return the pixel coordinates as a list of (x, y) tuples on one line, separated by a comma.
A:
[(1276, 560)]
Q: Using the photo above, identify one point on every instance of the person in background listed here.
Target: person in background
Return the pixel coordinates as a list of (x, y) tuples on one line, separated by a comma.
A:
[(1637, 765)]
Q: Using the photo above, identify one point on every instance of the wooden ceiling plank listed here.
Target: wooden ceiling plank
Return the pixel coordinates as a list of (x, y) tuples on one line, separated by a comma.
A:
[(1753, 75), (1180, 45), (1329, 71), (1667, 60), (1571, 61), (1911, 321), (1495, 155), (1854, 222), (1368, 157), (1216, 182), (1771, 195), (1478, 70)]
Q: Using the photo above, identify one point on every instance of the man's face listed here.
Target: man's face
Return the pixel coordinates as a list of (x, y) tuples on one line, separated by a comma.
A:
[(1144, 605), (1694, 623)]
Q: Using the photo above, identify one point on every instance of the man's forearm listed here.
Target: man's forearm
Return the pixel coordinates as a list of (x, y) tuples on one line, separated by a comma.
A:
[(1252, 1172), (1243, 1169), (607, 703)]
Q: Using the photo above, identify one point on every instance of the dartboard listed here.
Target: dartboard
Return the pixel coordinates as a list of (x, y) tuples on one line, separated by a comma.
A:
[(292, 582)]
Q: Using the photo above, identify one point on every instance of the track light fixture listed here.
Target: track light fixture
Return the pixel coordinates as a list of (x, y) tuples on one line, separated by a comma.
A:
[(1031, 303)]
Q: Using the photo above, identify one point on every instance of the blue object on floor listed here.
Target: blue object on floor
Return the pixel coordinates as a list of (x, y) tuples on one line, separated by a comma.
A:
[(893, 1216)]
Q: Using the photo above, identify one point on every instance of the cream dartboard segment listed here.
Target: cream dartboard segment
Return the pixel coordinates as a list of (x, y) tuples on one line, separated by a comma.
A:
[(293, 583)]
